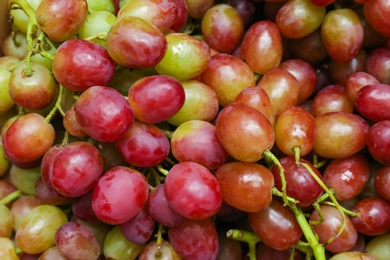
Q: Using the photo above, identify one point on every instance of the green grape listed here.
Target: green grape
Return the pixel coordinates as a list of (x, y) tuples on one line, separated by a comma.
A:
[(4, 162), (95, 23), (101, 5), (5, 222), (116, 246), (379, 247), (37, 231), (20, 18), (6, 101), (25, 179), (7, 249)]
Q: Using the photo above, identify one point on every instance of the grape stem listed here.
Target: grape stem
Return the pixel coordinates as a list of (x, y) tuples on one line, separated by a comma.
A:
[(332, 198), (318, 249), (11, 197), (297, 155), (56, 107), (245, 236), (270, 156)]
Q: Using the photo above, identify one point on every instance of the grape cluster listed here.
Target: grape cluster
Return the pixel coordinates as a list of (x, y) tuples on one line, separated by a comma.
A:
[(195, 129)]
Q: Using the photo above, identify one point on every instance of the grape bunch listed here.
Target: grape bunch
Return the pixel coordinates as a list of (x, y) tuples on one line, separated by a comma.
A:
[(195, 129)]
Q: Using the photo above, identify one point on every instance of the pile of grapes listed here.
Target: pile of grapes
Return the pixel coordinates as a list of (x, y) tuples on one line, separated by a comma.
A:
[(195, 129)]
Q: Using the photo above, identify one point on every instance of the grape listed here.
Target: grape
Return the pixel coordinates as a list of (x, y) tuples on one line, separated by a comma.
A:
[(351, 255), (25, 179), (257, 98), (47, 193), (162, 250), (139, 229), (222, 28), (79, 64), (97, 22), (377, 64), (61, 20), (227, 76), (246, 10), (7, 101), (197, 8), (295, 128), (144, 51), (76, 169), (356, 81), (15, 45), (297, 26), (186, 57), (116, 246), (342, 33), (274, 220), (37, 230), (72, 126), (332, 98), (201, 139), (246, 186), (371, 102), (34, 91), (160, 210), (194, 239), (376, 13), (373, 216), (98, 6), (300, 183), (119, 195), (116, 115), (379, 247), (7, 249), (5, 222), (347, 176), (378, 141), (201, 103), (181, 16), (340, 134), (82, 208), (21, 207), (52, 253), (244, 132), (28, 138), (77, 241), (156, 98), (261, 47), (193, 191), (161, 14), (282, 88), (382, 179), (331, 226), (4, 162)]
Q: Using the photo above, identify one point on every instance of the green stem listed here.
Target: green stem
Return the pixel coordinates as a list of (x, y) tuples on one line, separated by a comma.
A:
[(162, 170), (318, 249), (278, 193), (27, 9), (11, 197), (270, 156), (159, 233), (98, 36), (297, 155), (245, 236), (57, 105), (346, 211), (332, 198)]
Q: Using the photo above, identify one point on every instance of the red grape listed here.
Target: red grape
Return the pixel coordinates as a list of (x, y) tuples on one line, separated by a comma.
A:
[(138, 229), (246, 186), (119, 195), (193, 191), (103, 113), (372, 102), (79, 64), (378, 141), (381, 182), (194, 239)]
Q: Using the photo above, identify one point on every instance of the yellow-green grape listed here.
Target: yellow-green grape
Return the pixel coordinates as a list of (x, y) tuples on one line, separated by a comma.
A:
[(7, 249), (5, 222), (37, 231), (25, 179), (6, 101)]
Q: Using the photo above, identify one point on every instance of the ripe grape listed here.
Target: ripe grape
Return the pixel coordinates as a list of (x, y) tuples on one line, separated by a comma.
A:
[(139, 229), (103, 113), (246, 186), (143, 145), (77, 241), (61, 20), (195, 239), (193, 191), (244, 132), (119, 195), (162, 250)]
